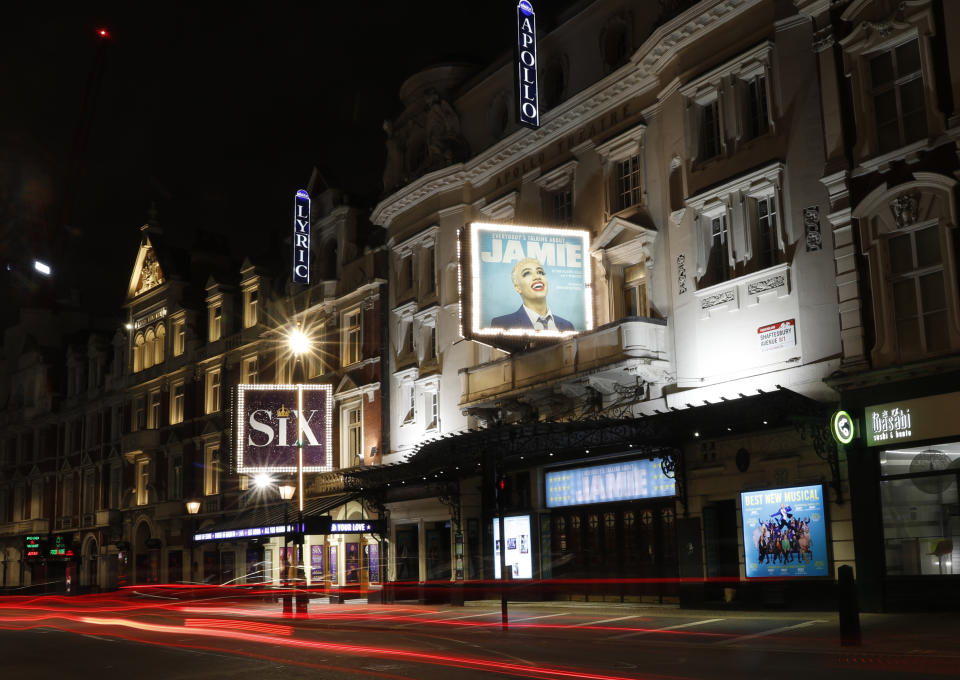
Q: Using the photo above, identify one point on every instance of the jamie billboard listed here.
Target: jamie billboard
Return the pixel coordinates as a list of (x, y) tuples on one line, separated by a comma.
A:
[(529, 281), (269, 422), (625, 481), (784, 532)]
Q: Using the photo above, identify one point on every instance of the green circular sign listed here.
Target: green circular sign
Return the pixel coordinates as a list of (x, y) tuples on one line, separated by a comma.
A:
[(842, 427)]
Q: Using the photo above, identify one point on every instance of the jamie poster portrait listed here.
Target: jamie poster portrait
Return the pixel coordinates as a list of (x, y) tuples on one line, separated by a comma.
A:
[(784, 532), (529, 281)]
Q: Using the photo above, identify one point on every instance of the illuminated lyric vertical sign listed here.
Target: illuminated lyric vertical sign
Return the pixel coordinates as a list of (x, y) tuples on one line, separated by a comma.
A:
[(269, 426), (528, 104), (301, 237)]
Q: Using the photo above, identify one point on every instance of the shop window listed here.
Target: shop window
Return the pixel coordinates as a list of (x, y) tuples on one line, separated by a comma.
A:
[(921, 523)]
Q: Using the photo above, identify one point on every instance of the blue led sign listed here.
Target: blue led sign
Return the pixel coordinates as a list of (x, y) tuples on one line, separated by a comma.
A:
[(608, 483), (528, 103), (301, 237)]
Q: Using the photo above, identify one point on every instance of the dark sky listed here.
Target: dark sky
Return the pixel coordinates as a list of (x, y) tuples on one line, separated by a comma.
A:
[(217, 112)]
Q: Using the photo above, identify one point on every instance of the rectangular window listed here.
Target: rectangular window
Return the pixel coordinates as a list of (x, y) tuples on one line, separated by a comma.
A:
[(179, 337), (143, 482), (176, 403), (409, 404), (628, 183), (431, 403), (213, 390), (635, 291), (898, 96), (919, 295), (430, 270), (709, 130), (89, 492), (216, 319), (765, 217), (68, 502), (139, 414), (430, 350), (211, 470), (561, 205), (153, 412), (250, 299), (351, 337), (354, 440), (176, 478), (718, 269), (758, 122), (249, 376)]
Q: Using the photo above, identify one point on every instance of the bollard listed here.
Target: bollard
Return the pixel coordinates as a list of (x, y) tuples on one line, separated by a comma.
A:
[(849, 609), (302, 601), (287, 604)]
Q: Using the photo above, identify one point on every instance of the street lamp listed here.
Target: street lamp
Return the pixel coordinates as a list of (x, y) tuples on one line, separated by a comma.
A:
[(286, 493), (299, 345), (193, 507)]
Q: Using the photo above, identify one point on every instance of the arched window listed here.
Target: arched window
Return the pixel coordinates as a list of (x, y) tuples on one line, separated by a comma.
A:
[(159, 348), (148, 349), (138, 343)]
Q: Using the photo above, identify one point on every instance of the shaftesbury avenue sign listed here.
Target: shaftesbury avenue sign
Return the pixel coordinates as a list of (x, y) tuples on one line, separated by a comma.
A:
[(528, 105), (301, 237), (269, 425)]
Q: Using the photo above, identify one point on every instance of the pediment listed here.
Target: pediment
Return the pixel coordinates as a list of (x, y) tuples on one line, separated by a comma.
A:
[(147, 273), (172, 438), (85, 460), (65, 467), (210, 428), (624, 242), (346, 385)]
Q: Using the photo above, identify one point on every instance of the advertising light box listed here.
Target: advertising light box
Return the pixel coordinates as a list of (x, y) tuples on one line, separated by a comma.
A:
[(607, 483), (269, 426), (785, 532), (518, 557), (528, 281)]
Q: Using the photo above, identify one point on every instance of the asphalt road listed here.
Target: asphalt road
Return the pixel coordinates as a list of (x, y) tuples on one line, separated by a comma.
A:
[(158, 635)]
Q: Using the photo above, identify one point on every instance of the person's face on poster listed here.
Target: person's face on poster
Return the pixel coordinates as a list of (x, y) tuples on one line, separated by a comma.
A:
[(530, 280)]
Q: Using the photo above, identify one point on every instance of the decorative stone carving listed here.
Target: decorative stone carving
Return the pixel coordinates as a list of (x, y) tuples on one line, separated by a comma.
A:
[(716, 300), (445, 146), (905, 208), (811, 227), (681, 274), (150, 274), (767, 284)]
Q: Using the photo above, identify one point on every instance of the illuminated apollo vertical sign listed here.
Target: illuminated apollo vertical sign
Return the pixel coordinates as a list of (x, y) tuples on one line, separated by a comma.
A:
[(301, 237), (528, 104)]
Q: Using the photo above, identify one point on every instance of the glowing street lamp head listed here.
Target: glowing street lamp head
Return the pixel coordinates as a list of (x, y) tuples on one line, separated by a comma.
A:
[(262, 480), (299, 342), (287, 491)]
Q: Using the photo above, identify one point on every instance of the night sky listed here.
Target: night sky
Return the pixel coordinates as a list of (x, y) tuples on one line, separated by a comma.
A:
[(214, 112)]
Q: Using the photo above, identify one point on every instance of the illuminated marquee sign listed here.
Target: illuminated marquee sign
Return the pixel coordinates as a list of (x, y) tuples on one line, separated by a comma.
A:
[(249, 532), (528, 104), (301, 237), (527, 281), (912, 419), (784, 532), (268, 427), (607, 483)]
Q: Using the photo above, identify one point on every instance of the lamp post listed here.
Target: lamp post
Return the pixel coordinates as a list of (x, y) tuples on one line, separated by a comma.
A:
[(299, 344), (193, 507), (286, 493)]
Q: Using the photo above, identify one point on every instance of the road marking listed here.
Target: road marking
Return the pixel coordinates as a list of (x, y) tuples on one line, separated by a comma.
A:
[(657, 630), (534, 618), (772, 631), (619, 618), (469, 616)]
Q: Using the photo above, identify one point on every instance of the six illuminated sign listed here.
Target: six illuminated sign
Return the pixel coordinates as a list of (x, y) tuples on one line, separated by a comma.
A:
[(528, 103), (301, 237)]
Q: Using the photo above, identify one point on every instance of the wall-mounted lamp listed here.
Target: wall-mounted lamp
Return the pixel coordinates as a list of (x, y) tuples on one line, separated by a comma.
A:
[(286, 491), (193, 507)]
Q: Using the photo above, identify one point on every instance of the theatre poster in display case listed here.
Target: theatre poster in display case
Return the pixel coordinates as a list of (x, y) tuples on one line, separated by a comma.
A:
[(785, 532), (519, 556)]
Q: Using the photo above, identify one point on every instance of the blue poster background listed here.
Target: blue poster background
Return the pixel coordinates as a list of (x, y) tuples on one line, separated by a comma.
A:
[(789, 513), (495, 294)]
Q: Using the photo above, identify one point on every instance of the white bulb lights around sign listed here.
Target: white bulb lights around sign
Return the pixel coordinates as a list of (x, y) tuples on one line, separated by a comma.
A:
[(266, 414), (529, 282)]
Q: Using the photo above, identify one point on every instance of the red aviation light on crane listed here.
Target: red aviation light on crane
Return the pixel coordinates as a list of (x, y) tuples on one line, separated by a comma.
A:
[(103, 33)]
